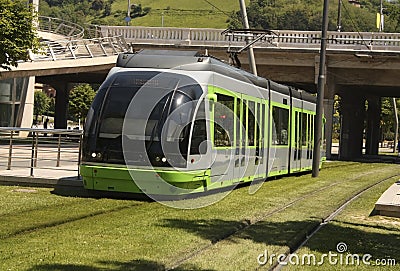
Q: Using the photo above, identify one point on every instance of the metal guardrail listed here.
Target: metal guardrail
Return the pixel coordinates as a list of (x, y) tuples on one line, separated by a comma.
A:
[(283, 39), (60, 27), (50, 149), (81, 48)]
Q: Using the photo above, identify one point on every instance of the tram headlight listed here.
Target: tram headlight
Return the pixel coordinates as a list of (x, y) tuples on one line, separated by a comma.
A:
[(96, 155), (164, 159)]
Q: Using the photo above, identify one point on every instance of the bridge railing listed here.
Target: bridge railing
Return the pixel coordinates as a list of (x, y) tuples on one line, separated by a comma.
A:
[(60, 27), (80, 48), (284, 39)]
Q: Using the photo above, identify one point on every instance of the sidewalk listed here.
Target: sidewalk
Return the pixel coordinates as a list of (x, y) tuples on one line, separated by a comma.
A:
[(389, 203), (49, 177)]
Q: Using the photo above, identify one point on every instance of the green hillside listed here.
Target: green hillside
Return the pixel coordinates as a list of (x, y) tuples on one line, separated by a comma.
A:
[(169, 13), (177, 13)]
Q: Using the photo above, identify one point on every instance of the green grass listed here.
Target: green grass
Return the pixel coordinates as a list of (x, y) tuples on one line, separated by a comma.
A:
[(46, 231), (177, 13)]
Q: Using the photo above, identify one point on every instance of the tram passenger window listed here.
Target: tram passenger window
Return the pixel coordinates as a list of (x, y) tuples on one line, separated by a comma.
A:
[(303, 129), (262, 133), (296, 131), (244, 120), (199, 135), (224, 121), (281, 127), (251, 124)]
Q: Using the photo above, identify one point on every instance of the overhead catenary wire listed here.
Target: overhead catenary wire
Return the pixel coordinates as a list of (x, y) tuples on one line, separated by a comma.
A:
[(356, 27), (224, 12)]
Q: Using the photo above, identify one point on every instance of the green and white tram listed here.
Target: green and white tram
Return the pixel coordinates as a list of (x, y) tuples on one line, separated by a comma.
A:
[(174, 122)]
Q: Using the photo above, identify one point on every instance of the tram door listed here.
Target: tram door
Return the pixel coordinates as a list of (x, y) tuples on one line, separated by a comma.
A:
[(297, 152), (246, 144), (222, 134), (260, 160), (240, 142)]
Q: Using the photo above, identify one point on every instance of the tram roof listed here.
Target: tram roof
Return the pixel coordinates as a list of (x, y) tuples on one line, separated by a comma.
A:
[(194, 61)]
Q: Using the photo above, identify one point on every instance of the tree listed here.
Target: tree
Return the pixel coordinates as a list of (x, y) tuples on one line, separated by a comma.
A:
[(17, 32), (80, 99), (98, 5), (41, 104), (107, 9)]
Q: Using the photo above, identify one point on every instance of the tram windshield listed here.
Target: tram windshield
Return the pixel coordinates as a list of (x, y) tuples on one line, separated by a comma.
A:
[(144, 115)]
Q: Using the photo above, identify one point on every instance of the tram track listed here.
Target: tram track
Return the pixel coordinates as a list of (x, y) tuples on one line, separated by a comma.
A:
[(246, 224), (326, 220)]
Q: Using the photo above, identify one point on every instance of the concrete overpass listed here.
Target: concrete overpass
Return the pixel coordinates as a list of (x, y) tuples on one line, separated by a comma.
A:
[(360, 67)]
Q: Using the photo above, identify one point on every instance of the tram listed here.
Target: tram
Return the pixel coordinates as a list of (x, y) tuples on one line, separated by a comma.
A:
[(168, 122)]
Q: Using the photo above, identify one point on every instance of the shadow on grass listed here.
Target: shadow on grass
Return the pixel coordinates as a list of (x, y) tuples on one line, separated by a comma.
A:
[(359, 239), (135, 265), (81, 192)]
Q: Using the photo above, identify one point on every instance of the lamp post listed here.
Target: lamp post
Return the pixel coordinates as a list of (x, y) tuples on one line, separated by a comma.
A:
[(339, 17), (128, 13), (381, 17), (320, 94)]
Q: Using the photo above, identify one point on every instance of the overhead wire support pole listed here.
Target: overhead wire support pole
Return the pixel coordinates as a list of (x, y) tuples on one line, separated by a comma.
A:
[(320, 94), (252, 61), (396, 125)]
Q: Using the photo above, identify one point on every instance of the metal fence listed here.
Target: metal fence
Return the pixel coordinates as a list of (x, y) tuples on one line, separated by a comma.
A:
[(52, 150)]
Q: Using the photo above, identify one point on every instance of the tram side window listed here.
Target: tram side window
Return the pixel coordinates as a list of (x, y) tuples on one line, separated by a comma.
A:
[(281, 126), (224, 121), (199, 135)]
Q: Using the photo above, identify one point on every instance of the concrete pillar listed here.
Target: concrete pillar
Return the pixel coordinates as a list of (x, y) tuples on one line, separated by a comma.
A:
[(61, 106), (328, 114), (352, 125), (373, 125), (27, 104), (329, 101)]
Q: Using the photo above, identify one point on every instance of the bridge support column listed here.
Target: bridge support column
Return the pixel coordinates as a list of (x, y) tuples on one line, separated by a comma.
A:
[(328, 114), (352, 126), (329, 101), (61, 110), (373, 123)]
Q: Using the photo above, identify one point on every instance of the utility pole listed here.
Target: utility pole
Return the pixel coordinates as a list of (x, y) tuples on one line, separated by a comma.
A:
[(252, 61), (396, 125), (320, 94)]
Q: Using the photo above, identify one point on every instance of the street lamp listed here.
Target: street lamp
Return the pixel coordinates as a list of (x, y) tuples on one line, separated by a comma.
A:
[(339, 17), (381, 17), (128, 13)]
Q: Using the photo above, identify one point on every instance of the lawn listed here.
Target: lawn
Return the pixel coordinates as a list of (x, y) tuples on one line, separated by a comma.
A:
[(43, 230)]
